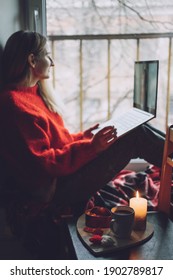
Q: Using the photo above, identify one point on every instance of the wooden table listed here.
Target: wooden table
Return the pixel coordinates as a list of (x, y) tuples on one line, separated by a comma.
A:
[(158, 247)]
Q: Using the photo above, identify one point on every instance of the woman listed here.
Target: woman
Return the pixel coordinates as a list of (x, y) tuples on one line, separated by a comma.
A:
[(51, 166)]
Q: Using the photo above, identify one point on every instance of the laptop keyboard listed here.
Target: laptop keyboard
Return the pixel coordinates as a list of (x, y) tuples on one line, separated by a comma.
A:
[(130, 120), (126, 122)]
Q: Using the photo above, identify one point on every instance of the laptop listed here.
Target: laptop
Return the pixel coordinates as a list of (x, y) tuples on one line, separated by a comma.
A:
[(144, 99)]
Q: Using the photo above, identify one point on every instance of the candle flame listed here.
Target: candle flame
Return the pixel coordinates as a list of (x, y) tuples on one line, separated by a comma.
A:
[(137, 194)]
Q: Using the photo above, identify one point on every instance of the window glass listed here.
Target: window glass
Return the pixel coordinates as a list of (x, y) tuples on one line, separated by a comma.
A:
[(94, 46)]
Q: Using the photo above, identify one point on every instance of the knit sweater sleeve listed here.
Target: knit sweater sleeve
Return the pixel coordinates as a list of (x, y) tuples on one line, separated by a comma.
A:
[(77, 136), (34, 132)]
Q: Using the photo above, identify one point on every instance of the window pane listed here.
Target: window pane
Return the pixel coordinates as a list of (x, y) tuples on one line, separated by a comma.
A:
[(95, 75), (123, 55), (94, 81), (67, 79)]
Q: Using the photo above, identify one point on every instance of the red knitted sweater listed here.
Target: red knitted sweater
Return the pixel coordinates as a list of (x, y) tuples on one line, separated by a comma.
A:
[(34, 141)]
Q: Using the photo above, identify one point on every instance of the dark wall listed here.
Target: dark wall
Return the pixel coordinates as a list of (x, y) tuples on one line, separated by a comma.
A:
[(12, 18)]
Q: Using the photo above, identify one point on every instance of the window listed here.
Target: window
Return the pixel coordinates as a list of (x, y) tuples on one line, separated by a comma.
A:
[(94, 45), (36, 15)]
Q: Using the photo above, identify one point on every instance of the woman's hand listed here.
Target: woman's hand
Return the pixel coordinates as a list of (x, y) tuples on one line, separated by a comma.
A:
[(104, 138), (88, 133)]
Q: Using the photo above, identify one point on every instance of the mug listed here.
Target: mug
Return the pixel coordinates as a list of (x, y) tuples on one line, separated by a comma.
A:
[(122, 221)]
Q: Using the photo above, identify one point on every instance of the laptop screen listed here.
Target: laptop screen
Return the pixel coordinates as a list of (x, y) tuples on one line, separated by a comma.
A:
[(145, 85)]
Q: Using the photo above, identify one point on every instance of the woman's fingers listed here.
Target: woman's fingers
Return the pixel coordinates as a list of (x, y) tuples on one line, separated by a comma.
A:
[(104, 138), (108, 134)]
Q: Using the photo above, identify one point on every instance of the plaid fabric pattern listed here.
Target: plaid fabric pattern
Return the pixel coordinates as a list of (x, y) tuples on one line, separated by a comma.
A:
[(124, 186)]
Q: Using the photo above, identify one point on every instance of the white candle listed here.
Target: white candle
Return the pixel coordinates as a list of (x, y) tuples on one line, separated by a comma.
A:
[(139, 204)]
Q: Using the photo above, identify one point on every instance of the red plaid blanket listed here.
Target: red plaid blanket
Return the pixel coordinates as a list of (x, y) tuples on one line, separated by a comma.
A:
[(124, 186)]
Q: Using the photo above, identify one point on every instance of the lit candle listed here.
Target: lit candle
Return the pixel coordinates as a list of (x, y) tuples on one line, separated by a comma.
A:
[(139, 204)]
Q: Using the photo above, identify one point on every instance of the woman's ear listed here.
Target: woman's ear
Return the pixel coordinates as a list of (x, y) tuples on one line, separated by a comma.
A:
[(31, 60)]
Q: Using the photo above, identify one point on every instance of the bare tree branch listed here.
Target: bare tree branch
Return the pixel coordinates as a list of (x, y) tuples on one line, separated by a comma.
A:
[(123, 3)]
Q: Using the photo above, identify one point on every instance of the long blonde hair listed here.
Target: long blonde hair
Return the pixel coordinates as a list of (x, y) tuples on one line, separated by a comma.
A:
[(16, 67), (52, 100)]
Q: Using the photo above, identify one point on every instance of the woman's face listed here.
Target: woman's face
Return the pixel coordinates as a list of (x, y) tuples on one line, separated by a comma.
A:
[(43, 62)]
